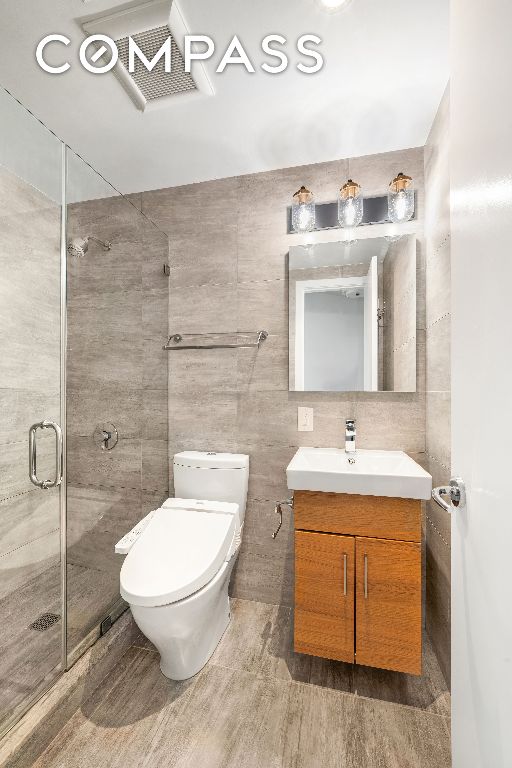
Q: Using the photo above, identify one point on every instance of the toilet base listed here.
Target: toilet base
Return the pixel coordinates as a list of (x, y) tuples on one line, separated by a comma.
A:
[(187, 633)]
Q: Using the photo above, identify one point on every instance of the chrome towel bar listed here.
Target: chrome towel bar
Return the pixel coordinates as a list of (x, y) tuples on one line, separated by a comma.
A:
[(177, 341)]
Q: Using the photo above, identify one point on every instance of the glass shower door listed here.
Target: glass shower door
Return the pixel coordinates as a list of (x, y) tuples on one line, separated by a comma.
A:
[(31, 450)]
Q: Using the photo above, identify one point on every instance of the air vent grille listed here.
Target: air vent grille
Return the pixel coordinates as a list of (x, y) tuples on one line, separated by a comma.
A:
[(158, 83)]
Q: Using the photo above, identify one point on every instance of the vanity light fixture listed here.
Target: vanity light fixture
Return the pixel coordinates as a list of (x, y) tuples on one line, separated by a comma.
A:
[(401, 199), (350, 205), (303, 211)]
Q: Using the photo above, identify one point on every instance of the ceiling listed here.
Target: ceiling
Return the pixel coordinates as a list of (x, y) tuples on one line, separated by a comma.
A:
[(386, 67)]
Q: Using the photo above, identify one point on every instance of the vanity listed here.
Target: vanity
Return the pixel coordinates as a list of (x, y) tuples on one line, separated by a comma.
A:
[(358, 554)]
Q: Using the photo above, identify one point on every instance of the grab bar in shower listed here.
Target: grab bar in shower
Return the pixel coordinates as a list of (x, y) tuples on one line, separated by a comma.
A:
[(206, 340)]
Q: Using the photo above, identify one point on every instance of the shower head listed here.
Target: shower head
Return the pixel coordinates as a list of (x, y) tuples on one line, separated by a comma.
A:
[(79, 246)]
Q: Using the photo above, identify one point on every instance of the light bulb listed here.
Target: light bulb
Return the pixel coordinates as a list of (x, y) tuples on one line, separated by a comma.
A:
[(303, 211), (350, 205), (401, 199)]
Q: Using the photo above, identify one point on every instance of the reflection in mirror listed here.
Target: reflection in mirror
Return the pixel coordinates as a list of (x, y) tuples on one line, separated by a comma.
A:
[(353, 316)]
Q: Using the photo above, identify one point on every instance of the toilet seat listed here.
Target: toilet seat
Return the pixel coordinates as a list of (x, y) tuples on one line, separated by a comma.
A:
[(178, 553)]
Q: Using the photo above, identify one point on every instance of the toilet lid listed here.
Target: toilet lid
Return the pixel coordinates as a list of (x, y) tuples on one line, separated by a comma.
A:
[(178, 553)]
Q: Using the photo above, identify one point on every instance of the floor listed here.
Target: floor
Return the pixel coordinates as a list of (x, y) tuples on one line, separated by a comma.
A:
[(258, 705), (23, 672)]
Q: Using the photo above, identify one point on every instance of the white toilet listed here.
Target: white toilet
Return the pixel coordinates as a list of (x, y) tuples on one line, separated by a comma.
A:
[(176, 574)]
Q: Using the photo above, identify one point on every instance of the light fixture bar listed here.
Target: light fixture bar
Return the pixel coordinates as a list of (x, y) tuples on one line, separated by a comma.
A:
[(375, 211)]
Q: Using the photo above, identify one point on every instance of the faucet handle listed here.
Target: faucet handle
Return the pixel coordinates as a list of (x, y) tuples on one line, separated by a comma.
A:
[(350, 424)]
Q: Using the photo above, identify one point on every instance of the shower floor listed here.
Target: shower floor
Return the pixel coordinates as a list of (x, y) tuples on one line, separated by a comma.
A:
[(258, 705), (29, 657)]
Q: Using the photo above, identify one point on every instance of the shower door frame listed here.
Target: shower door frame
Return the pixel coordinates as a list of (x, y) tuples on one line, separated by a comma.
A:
[(11, 722), (63, 409)]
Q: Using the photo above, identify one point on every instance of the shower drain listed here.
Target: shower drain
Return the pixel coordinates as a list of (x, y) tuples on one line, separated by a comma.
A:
[(45, 621)]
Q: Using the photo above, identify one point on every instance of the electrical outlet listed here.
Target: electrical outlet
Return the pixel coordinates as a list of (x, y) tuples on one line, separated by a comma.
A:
[(305, 419)]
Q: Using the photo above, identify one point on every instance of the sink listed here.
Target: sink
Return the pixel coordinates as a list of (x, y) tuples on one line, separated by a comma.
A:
[(374, 473)]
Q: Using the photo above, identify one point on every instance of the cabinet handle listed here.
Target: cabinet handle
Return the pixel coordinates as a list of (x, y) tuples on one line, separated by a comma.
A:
[(366, 577), (345, 575)]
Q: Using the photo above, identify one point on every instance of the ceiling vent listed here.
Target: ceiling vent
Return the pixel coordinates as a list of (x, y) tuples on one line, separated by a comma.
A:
[(158, 83), (150, 24)]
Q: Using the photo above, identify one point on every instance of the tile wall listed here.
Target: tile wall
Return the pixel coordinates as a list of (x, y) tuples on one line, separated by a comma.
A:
[(117, 373), (229, 272)]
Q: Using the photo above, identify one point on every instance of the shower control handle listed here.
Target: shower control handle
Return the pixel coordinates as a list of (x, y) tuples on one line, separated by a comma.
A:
[(32, 454)]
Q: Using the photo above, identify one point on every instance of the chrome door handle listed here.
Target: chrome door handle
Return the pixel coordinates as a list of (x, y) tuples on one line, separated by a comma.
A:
[(32, 454), (456, 491), (345, 575)]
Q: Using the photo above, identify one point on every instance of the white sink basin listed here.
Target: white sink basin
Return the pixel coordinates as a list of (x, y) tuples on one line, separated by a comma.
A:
[(374, 473)]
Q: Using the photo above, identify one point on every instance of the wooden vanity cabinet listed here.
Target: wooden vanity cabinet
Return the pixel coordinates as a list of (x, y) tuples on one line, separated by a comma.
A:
[(324, 595), (358, 589)]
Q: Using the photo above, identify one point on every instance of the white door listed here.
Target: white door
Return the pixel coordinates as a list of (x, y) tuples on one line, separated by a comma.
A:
[(481, 179), (371, 329)]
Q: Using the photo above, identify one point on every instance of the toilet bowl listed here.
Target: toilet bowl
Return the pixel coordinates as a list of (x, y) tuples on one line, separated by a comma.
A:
[(176, 574)]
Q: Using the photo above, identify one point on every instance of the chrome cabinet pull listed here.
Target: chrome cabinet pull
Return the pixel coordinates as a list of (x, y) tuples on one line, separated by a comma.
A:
[(345, 575), (32, 454), (366, 577)]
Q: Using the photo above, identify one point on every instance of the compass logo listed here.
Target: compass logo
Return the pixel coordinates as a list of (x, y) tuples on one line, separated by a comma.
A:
[(99, 54)]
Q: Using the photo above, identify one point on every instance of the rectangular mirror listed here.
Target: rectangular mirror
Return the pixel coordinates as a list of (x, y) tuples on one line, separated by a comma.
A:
[(353, 316)]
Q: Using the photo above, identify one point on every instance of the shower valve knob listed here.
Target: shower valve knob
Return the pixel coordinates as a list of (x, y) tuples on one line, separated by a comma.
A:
[(106, 436)]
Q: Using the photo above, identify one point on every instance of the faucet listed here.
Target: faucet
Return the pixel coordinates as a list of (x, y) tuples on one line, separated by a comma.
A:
[(350, 436)]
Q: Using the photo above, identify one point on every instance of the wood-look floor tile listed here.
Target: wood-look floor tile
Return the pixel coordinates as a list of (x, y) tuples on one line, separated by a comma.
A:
[(336, 729), (256, 704), (231, 719), (260, 640), (117, 731), (427, 692)]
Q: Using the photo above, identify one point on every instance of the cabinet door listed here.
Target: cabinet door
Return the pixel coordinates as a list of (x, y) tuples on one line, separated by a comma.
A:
[(324, 595), (388, 600)]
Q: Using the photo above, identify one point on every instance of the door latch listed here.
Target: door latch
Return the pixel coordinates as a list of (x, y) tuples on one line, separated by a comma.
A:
[(456, 492)]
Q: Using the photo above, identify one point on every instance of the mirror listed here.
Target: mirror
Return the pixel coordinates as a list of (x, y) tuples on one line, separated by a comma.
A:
[(353, 316)]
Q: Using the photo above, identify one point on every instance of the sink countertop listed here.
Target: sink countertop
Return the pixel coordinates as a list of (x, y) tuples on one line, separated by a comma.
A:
[(374, 473)]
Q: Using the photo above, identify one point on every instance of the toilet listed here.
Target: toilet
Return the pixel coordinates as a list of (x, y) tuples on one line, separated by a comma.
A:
[(176, 574)]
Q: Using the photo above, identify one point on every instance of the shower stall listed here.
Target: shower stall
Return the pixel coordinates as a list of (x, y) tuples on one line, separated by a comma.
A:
[(83, 400)]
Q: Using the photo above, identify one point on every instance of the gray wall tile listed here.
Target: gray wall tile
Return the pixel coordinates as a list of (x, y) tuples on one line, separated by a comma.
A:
[(222, 400)]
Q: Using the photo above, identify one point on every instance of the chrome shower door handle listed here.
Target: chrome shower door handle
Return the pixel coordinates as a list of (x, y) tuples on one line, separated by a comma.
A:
[(32, 454)]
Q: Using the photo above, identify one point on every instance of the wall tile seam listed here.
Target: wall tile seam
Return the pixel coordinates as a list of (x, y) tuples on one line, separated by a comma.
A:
[(97, 486), (85, 486), (17, 495), (406, 342), (437, 531), (437, 320), (30, 541), (180, 289), (438, 461), (411, 288), (42, 439), (433, 252)]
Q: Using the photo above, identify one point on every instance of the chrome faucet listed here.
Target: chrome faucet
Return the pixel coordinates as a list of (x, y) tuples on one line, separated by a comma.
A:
[(350, 436)]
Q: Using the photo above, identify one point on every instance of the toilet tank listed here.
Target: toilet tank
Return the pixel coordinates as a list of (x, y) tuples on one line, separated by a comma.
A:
[(213, 477)]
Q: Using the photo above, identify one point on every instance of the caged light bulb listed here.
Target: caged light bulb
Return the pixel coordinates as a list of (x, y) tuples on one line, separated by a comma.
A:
[(303, 211), (350, 205), (401, 199)]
